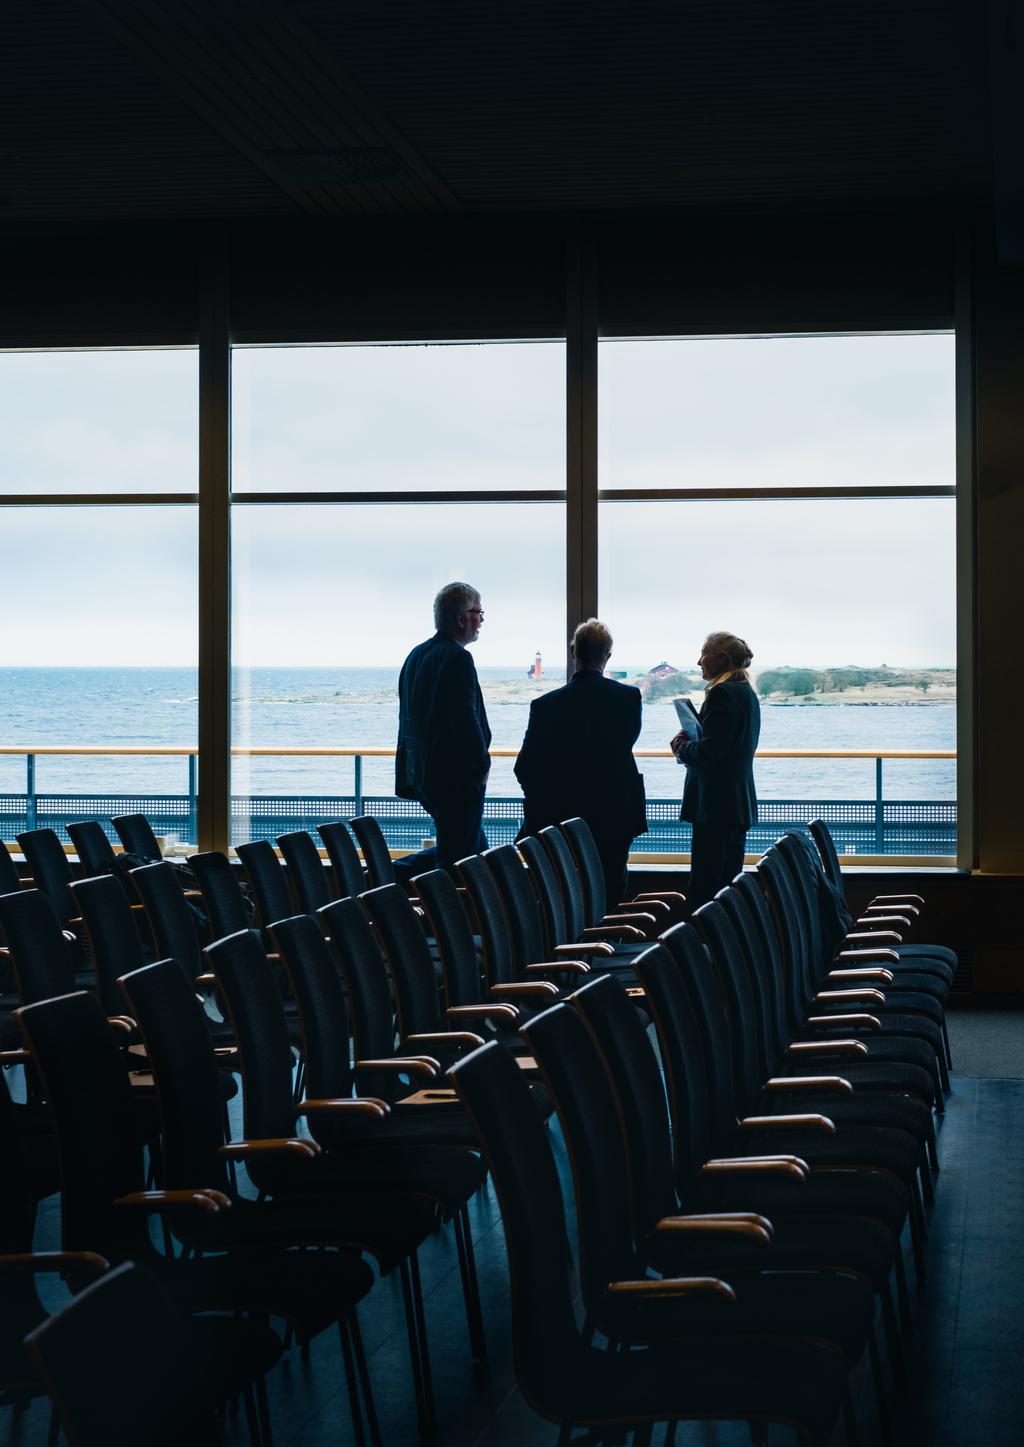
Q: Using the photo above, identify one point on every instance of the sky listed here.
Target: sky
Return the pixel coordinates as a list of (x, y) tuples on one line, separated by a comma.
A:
[(811, 583)]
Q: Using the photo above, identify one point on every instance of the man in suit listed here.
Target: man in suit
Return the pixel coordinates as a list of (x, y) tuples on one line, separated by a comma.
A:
[(443, 737), (577, 756)]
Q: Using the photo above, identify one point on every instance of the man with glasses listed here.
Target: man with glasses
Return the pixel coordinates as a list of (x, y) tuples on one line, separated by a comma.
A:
[(443, 736)]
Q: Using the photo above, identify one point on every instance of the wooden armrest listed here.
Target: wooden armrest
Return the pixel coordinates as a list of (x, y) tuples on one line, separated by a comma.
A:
[(593, 947), (811, 1121), (879, 936), (849, 997), (897, 921), (753, 1228), (868, 1022), (122, 1024), (614, 932), (881, 975), (508, 1013), (827, 1083), (447, 1038), (638, 917), (36, 1262), (904, 908), (295, 1146), (207, 979), (207, 1200), (663, 894), (873, 954), (14, 1057), (828, 1047), (673, 1286), (792, 1167), (523, 988), (649, 902), (551, 967), (365, 1105), (896, 899), (410, 1065)]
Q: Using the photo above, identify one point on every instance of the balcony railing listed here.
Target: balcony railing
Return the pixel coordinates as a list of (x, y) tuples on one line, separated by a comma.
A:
[(907, 828)]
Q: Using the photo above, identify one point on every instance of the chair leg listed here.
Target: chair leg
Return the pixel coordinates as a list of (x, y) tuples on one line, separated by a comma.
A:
[(350, 1378), (251, 1416), (892, 1338), (851, 1428), (470, 1285), (366, 1386), (881, 1397), (902, 1294), (263, 1408), (917, 1234), (425, 1409), (424, 1345), (53, 1435), (927, 1185)]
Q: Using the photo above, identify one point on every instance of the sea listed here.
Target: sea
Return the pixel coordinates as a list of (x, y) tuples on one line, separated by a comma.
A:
[(315, 707)]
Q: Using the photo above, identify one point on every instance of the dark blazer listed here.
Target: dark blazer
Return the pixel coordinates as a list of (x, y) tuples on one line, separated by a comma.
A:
[(443, 736), (719, 786), (577, 757)]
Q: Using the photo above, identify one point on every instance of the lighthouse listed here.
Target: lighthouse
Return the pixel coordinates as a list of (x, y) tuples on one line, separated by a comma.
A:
[(536, 668)]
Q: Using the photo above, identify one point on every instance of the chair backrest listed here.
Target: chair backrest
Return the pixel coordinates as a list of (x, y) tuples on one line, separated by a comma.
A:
[(706, 1005), (681, 1045), (591, 870), (112, 931), (380, 868), (123, 1366), (95, 851), (39, 951), (181, 1057), (564, 863), (267, 881), (349, 875), (747, 908), (136, 834), (743, 988), (257, 1017), (170, 918), (306, 873), (318, 991), (491, 919), (99, 1148), (409, 959), (824, 906), (365, 973), (223, 900), (522, 910), (453, 936), (790, 928), (548, 889), (631, 1065), (549, 1354), (822, 836), (10, 879), (585, 1101), (51, 871)]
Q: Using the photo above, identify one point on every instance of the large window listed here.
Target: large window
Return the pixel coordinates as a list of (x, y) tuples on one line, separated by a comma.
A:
[(796, 494), (330, 596), (99, 658)]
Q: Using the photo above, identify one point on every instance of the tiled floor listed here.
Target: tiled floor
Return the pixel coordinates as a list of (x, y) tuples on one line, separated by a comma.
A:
[(967, 1382)]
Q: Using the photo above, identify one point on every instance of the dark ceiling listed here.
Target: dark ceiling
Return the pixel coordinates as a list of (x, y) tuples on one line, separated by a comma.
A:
[(136, 109)]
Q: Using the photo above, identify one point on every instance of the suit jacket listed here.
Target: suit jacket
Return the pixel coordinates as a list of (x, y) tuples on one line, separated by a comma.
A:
[(719, 786), (577, 757), (443, 736)]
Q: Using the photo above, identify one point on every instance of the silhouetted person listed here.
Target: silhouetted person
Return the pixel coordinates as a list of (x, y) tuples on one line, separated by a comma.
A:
[(718, 797), (443, 737), (577, 757)]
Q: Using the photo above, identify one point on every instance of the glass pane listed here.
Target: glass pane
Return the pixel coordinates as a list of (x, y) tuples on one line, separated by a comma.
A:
[(447, 418), (98, 595), (110, 421), (777, 412), (849, 608), (328, 600)]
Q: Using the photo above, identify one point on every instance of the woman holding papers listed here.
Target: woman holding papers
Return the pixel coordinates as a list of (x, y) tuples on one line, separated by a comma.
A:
[(718, 751)]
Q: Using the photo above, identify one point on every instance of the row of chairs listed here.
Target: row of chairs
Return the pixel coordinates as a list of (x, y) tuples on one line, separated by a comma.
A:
[(382, 941)]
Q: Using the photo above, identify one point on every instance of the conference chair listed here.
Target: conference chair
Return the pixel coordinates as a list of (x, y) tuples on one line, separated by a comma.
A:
[(95, 852), (267, 881), (349, 875), (309, 880), (589, 861), (51, 875), (224, 904), (136, 835), (562, 1375), (380, 868), (10, 879)]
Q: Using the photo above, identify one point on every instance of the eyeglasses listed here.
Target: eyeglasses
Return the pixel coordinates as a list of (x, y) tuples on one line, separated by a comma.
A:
[(478, 611)]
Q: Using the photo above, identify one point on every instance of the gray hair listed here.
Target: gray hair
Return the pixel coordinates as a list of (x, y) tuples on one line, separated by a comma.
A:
[(733, 648), (591, 643), (453, 599)]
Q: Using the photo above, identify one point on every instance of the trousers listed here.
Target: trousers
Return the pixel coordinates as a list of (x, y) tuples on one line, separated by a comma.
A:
[(716, 857)]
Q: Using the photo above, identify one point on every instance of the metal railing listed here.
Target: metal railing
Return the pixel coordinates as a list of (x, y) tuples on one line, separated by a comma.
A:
[(873, 826)]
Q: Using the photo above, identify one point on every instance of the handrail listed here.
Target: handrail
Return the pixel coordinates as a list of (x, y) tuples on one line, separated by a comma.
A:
[(381, 751)]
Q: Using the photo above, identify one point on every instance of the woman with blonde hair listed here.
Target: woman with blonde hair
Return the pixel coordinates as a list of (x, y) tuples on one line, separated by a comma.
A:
[(718, 798)]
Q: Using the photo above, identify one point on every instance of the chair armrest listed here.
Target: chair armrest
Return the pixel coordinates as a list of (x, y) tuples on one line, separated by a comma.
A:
[(829, 1084), (366, 1105), (896, 899), (810, 1121), (866, 1022), (673, 1286), (38, 1262), (663, 894), (274, 1146), (844, 997), (614, 932), (649, 902), (896, 921), (791, 1167), (904, 907), (880, 975), (14, 1057), (122, 1024), (206, 1201), (507, 1013), (638, 917), (827, 1047), (879, 937), (207, 979), (397, 1065), (464, 1039), (594, 947), (758, 1230), (552, 967), (524, 989), (874, 955)]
